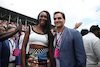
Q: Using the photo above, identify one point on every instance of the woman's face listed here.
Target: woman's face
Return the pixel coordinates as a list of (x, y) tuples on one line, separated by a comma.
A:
[(43, 18)]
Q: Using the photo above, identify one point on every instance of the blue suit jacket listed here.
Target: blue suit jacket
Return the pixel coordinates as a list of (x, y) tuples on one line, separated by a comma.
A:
[(4, 54), (18, 59), (0, 52), (72, 52)]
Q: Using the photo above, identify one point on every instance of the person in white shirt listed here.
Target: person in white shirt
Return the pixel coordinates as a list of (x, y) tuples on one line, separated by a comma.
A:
[(12, 44), (21, 42), (92, 47)]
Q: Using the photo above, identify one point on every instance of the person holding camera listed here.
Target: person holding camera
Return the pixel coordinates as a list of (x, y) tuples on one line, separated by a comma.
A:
[(12, 45), (4, 48)]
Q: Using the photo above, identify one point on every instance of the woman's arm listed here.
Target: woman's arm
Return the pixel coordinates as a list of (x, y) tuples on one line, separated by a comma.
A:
[(23, 50), (50, 51)]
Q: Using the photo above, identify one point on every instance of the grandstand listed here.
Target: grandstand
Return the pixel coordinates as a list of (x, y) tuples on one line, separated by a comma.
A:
[(11, 16)]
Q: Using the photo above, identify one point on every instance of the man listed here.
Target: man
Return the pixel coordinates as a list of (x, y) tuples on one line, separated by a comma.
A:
[(77, 25), (68, 44), (4, 53), (12, 44), (98, 33), (84, 32), (92, 47)]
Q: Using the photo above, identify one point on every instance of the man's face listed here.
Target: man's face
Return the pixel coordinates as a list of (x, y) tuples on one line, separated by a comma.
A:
[(59, 20), (98, 34), (12, 29)]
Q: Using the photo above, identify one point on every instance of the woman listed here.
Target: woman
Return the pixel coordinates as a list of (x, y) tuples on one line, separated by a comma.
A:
[(40, 40)]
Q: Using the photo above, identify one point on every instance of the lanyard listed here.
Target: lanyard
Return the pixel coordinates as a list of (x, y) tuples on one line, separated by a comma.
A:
[(12, 44), (59, 39)]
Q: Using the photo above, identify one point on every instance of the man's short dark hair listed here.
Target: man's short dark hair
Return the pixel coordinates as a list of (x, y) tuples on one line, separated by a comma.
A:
[(84, 32), (94, 28), (63, 15)]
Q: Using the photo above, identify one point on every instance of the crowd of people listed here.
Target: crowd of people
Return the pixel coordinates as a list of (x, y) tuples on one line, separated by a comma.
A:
[(6, 23), (41, 46)]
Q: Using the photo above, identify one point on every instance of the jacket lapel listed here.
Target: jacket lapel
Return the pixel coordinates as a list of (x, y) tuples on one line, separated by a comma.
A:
[(64, 36), (7, 43)]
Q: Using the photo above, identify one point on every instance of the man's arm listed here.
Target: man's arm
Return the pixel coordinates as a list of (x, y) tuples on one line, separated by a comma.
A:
[(79, 50), (4, 36)]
